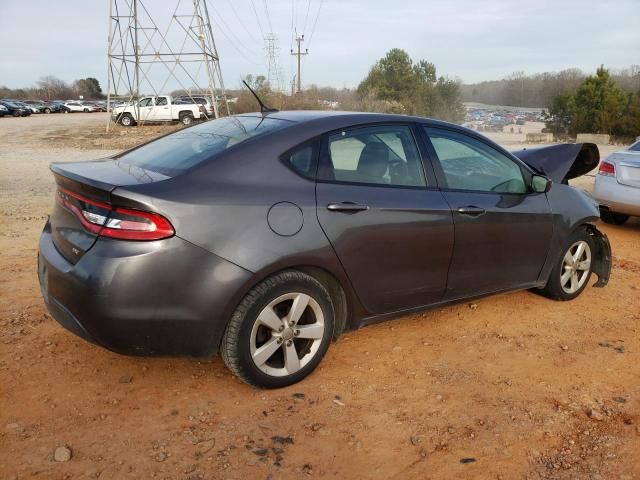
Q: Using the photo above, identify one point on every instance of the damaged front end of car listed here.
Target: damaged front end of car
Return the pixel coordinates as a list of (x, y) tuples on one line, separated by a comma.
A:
[(601, 260), (561, 163)]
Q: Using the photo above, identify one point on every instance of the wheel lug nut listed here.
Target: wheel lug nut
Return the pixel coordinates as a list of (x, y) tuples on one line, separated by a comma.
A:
[(281, 328), (289, 343), (297, 332), (279, 341)]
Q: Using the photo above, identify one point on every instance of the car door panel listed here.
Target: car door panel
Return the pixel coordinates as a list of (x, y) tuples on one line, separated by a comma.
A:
[(502, 237), (501, 248), (396, 252), (392, 233)]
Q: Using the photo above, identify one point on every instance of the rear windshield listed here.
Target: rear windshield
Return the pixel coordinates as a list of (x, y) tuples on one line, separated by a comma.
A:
[(175, 153), (635, 147)]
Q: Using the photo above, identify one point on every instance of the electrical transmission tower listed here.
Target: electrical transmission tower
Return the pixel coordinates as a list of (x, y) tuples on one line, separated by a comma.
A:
[(144, 59), (273, 64), (299, 54)]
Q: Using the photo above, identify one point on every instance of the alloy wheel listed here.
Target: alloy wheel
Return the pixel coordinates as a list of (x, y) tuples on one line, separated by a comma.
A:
[(287, 334), (576, 266)]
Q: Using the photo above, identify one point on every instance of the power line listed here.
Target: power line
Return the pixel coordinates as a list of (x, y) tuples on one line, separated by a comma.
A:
[(232, 43), (306, 17), (230, 30), (241, 22), (315, 22), (266, 9), (255, 12)]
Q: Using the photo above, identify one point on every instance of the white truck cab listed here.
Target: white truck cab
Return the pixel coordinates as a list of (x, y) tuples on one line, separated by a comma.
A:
[(157, 109)]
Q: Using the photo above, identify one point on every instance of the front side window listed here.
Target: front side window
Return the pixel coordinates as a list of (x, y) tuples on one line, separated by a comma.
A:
[(161, 101), (384, 155), (469, 164)]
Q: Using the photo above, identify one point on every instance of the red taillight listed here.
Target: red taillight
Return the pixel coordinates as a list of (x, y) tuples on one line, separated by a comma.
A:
[(607, 168), (115, 222)]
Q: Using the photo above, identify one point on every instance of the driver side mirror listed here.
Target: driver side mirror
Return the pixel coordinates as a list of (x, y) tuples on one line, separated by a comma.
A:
[(540, 184)]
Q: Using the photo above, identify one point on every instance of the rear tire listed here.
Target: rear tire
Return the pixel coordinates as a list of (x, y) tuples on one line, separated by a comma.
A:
[(571, 274), (186, 119), (280, 331), (613, 218)]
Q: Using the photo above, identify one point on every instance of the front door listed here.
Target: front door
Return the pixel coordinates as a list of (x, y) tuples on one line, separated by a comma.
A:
[(160, 111), (145, 108), (502, 229), (391, 230)]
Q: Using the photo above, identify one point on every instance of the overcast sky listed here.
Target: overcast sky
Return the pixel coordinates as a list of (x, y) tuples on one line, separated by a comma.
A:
[(473, 40)]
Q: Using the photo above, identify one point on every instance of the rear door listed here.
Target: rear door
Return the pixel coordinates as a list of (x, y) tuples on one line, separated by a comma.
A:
[(389, 225), (502, 229)]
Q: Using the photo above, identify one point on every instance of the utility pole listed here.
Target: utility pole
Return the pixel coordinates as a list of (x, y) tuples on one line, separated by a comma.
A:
[(299, 54)]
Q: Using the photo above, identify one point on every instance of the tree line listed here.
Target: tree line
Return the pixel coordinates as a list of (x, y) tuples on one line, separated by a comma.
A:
[(539, 90), (394, 84), (52, 88), (599, 104)]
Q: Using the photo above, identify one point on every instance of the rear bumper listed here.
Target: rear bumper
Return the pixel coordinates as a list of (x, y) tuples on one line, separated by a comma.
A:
[(167, 297), (617, 197)]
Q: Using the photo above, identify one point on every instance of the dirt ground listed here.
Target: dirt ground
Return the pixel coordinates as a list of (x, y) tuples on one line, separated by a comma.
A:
[(509, 387)]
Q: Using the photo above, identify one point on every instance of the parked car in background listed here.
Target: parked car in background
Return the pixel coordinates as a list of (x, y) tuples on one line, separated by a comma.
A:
[(33, 108), (157, 109), (264, 236), (617, 185), (201, 100), (38, 105), (15, 109), (3, 110), (58, 107), (80, 107)]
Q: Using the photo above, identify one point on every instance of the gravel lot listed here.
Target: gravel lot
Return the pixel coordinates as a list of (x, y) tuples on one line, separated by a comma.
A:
[(509, 387)]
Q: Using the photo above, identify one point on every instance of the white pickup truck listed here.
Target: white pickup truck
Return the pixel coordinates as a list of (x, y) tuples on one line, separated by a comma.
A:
[(157, 109)]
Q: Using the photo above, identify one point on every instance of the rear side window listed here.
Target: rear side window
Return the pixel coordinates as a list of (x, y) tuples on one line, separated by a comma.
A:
[(382, 155), (302, 159), (184, 149)]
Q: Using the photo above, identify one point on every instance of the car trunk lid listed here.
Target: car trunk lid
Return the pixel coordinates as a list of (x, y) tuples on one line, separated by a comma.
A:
[(627, 168), (84, 193)]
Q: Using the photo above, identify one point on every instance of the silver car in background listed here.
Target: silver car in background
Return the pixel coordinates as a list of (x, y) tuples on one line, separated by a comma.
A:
[(617, 186)]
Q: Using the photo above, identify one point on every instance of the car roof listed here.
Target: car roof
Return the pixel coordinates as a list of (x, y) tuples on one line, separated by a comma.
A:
[(302, 116)]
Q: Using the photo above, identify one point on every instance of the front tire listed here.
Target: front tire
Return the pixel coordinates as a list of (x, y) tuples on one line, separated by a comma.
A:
[(572, 272), (613, 218), (280, 331), (126, 120)]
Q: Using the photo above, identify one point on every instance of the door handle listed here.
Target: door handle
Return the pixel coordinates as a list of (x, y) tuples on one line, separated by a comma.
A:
[(347, 207), (471, 211)]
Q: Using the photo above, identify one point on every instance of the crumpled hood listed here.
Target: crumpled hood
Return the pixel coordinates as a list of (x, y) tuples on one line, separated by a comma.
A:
[(562, 162)]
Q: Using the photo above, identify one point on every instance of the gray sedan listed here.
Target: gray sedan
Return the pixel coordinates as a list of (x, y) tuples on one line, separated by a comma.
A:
[(264, 236), (617, 185)]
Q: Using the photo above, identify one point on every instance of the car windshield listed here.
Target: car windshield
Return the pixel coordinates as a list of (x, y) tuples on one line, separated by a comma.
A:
[(635, 147), (175, 153)]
